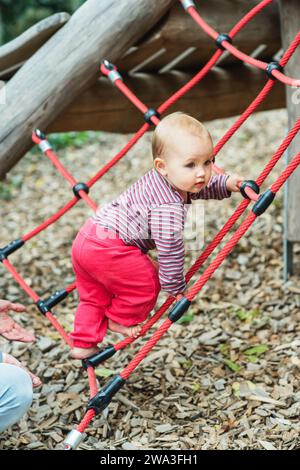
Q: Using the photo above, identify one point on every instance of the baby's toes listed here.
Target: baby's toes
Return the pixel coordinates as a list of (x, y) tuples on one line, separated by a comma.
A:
[(136, 330)]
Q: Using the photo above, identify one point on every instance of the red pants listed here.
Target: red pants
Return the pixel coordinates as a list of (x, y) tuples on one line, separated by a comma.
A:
[(114, 280)]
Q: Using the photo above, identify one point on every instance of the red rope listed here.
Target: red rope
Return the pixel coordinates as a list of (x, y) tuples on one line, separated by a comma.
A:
[(119, 155), (59, 328), (20, 281), (92, 381), (51, 220), (195, 289), (213, 59), (286, 174), (249, 16), (90, 183), (85, 421), (145, 349), (243, 228), (237, 53), (198, 285), (219, 237)]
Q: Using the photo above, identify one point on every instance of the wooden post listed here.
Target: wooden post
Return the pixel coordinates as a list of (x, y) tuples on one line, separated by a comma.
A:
[(18, 50), (67, 65), (290, 26)]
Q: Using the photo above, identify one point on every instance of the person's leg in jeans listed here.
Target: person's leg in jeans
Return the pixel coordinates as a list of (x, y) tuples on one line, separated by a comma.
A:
[(15, 394)]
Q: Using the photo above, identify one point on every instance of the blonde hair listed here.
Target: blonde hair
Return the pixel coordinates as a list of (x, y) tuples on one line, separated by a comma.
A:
[(175, 120)]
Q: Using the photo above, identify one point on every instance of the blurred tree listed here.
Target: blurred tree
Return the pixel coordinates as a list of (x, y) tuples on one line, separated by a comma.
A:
[(18, 15)]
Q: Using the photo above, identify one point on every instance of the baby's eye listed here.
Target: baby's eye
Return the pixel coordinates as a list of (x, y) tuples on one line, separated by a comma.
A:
[(190, 165), (208, 162)]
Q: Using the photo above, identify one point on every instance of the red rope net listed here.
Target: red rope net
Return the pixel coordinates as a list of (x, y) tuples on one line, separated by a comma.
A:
[(81, 192)]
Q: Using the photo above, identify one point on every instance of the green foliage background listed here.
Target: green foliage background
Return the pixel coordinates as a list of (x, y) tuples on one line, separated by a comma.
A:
[(18, 15)]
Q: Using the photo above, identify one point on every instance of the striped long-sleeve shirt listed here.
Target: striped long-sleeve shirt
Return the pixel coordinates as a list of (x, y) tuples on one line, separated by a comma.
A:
[(151, 214)]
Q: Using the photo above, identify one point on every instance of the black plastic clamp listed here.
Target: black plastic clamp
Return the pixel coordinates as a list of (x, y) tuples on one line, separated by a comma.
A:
[(40, 134), (103, 398), (149, 114), (10, 248), (108, 65), (273, 66), (179, 309), (249, 184), (45, 306), (113, 73), (99, 357), (223, 37), (55, 298), (187, 4), (80, 187), (265, 199), (41, 305)]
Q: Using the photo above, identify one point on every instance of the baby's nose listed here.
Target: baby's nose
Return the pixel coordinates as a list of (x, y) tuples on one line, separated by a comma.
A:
[(200, 172)]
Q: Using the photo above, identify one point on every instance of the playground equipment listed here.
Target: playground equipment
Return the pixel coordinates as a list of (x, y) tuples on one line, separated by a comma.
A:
[(276, 71)]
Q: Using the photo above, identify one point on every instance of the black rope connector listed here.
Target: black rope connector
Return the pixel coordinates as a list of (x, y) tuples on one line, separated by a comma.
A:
[(55, 298), (149, 114), (45, 306), (179, 309), (103, 398), (99, 357), (10, 248), (108, 65), (273, 66), (263, 202), (80, 187), (41, 305), (40, 134), (249, 184), (223, 37)]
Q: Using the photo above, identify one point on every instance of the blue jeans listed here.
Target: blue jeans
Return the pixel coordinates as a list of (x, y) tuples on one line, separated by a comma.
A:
[(15, 394)]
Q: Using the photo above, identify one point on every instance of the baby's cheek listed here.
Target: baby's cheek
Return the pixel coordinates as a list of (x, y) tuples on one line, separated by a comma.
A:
[(208, 176)]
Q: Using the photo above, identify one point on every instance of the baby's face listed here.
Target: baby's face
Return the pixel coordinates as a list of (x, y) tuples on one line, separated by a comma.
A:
[(188, 161)]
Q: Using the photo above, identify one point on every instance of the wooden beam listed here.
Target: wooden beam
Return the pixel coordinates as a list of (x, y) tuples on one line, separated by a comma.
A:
[(290, 26), (24, 46), (67, 65), (103, 107), (171, 38)]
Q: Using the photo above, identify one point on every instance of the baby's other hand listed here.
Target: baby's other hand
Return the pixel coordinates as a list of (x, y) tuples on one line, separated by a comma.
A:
[(182, 294), (233, 183)]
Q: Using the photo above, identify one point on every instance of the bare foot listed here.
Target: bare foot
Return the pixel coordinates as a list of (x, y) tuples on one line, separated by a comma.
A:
[(131, 331), (83, 353)]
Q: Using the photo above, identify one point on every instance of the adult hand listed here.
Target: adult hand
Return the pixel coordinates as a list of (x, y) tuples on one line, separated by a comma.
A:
[(8, 359), (10, 329)]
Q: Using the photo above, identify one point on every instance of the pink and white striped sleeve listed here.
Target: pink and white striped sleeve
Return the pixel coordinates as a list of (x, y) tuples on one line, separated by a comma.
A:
[(166, 223), (216, 189)]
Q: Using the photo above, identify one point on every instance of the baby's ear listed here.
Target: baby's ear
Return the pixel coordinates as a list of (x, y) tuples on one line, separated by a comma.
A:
[(160, 165)]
